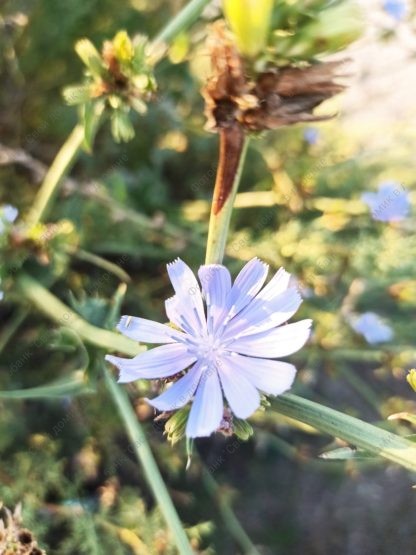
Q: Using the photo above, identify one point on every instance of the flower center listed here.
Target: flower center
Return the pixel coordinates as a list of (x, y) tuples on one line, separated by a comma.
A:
[(208, 349)]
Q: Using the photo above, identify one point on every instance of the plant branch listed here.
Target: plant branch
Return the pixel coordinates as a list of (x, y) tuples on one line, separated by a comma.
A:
[(59, 168), (53, 308), (150, 468), (184, 19), (227, 514), (233, 148)]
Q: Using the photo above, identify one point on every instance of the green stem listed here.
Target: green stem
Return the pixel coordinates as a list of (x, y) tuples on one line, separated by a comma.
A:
[(184, 19), (150, 468), (12, 326), (59, 168), (233, 148), (356, 432), (230, 520), (57, 311), (360, 387)]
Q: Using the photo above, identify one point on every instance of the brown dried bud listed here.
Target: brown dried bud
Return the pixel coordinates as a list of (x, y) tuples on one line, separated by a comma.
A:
[(267, 100)]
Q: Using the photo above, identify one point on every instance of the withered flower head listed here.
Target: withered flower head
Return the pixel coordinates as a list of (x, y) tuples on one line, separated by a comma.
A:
[(269, 99), (14, 539)]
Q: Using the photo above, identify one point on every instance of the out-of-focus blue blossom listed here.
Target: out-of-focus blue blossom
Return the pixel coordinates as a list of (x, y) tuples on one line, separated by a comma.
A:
[(8, 215), (372, 328), (311, 135), (1, 295), (390, 203), (397, 9)]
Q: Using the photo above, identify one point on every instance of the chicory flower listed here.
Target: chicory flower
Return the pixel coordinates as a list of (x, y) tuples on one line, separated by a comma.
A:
[(389, 204), (226, 349), (372, 328), (397, 9)]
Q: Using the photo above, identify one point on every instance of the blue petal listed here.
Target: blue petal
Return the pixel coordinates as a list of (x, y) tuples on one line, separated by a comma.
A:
[(179, 393), (276, 286), (216, 285), (270, 376), (390, 203), (9, 213), (146, 331), (207, 409), (160, 362), (262, 315), (275, 343), (188, 294), (242, 396), (371, 326), (246, 286)]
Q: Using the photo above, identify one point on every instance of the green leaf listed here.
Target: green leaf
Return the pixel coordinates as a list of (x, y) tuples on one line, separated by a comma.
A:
[(352, 430), (407, 416), (346, 454)]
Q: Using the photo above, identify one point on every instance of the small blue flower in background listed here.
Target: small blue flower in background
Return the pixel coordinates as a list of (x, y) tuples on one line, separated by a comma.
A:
[(390, 203), (311, 135), (397, 9), (226, 349), (8, 215), (371, 326), (1, 295)]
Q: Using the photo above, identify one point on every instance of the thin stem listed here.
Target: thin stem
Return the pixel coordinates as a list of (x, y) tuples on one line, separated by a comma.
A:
[(53, 308), (360, 434), (184, 19), (227, 514), (233, 148), (11, 328), (59, 168), (150, 468), (361, 387)]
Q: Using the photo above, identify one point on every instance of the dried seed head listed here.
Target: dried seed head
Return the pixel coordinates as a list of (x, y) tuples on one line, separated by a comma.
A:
[(266, 100)]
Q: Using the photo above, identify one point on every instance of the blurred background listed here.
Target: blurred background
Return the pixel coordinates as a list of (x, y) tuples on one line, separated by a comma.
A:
[(140, 205)]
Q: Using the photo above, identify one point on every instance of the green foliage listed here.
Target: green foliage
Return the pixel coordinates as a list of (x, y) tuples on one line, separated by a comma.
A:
[(130, 209)]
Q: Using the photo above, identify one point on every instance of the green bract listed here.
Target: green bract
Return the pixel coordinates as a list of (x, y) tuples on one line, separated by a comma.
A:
[(119, 79)]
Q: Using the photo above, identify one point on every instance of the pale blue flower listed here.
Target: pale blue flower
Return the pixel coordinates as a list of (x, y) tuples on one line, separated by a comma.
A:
[(397, 9), (390, 203), (1, 295), (226, 349), (311, 135), (371, 326), (8, 215)]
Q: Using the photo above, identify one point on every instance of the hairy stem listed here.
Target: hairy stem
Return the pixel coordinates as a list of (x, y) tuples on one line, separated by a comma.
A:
[(233, 148), (150, 468)]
